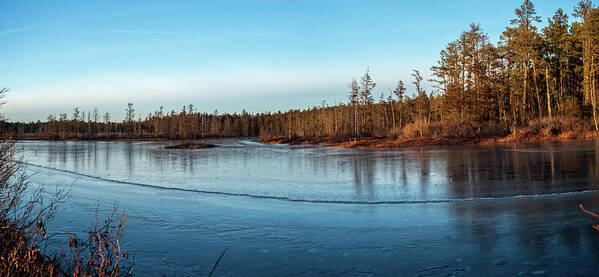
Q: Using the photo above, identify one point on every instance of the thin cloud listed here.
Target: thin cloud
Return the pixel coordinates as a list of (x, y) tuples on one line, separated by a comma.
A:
[(8, 32), (213, 36), (240, 35), (137, 32), (257, 34)]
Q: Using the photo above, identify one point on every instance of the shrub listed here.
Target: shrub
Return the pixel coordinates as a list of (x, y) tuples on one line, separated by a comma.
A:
[(554, 126), (410, 130), (19, 256), (22, 231), (22, 228), (448, 130), (101, 253), (571, 107)]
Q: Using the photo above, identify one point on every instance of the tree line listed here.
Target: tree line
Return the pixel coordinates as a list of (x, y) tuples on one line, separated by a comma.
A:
[(529, 74)]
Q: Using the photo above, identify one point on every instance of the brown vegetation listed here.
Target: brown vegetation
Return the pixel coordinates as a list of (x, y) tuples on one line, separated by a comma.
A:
[(101, 254), (448, 133), (22, 228), (18, 257), (23, 213), (550, 130), (596, 226), (191, 145)]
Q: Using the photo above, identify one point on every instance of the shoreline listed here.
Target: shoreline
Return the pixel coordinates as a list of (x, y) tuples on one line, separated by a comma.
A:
[(110, 139), (368, 143), (382, 143)]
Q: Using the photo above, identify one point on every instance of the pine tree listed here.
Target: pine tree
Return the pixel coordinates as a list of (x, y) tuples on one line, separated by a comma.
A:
[(521, 44)]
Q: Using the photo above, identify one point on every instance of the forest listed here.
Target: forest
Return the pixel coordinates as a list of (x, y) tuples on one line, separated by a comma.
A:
[(539, 79)]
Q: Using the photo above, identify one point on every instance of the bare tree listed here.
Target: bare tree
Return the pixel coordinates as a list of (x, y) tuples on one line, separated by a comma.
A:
[(354, 99), (130, 113), (96, 115), (76, 114)]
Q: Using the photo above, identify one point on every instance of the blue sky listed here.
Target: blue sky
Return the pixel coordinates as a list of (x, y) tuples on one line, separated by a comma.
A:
[(262, 55)]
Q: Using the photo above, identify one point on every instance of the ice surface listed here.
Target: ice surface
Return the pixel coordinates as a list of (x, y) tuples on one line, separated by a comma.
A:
[(176, 229)]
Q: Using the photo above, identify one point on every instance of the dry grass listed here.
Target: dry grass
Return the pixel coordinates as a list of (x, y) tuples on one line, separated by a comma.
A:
[(538, 130), (556, 126), (423, 132), (551, 130), (450, 130)]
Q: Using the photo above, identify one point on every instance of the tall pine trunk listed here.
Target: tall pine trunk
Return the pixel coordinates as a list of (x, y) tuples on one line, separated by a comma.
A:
[(593, 96), (548, 93), (534, 73), (393, 115)]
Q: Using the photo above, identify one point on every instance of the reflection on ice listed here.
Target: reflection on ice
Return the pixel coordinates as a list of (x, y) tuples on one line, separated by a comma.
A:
[(438, 220), (331, 174)]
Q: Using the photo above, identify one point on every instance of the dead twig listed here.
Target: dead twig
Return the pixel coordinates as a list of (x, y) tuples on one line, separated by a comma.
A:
[(217, 261), (596, 226)]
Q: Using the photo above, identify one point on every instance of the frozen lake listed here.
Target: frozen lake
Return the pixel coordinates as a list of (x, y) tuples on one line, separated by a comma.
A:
[(312, 210)]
